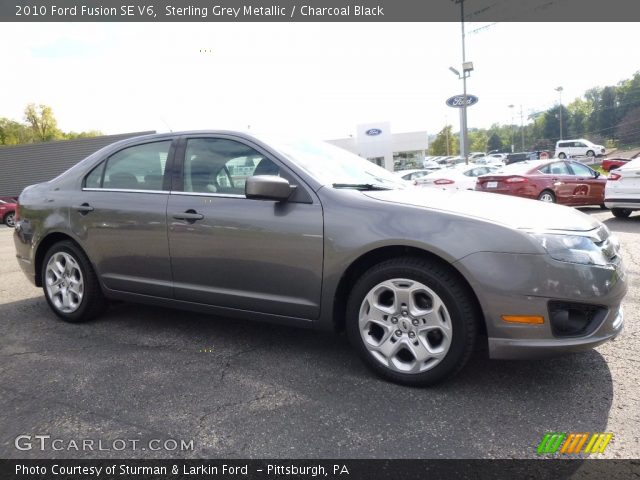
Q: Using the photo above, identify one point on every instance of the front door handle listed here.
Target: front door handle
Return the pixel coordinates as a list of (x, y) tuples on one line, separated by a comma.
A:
[(83, 209), (189, 216)]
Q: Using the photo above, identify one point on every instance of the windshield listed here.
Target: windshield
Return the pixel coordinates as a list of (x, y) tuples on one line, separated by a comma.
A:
[(334, 166)]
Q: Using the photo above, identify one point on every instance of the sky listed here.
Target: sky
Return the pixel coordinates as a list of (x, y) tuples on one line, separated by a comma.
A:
[(318, 79)]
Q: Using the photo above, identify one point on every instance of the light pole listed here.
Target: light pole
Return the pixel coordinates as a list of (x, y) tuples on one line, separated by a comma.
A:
[(467, 67), (512, 146), (559, 90)]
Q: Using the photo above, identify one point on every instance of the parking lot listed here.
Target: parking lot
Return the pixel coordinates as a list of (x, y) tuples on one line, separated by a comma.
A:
[(250, 390)]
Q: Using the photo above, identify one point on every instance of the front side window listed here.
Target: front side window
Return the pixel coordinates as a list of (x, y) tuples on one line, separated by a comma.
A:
[(219, 165), (581, 170), (140, 167)]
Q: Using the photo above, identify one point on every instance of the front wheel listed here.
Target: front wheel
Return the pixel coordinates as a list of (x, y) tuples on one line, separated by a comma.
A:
[(591, 153), (10, 219), (621, 212), (412, 321), (562, 155), (70, 284)]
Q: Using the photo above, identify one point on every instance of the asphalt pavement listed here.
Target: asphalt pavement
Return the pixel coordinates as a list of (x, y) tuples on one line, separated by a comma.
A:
[(168, 384)]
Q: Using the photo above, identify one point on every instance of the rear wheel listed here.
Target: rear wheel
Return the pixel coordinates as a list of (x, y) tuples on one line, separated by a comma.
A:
[(10, 219), (621, 212), (547, 196), (412, 321), (562, 155), (70, 284)]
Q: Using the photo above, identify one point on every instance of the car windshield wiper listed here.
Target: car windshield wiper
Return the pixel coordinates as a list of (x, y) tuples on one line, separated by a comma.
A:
[(362, 186)]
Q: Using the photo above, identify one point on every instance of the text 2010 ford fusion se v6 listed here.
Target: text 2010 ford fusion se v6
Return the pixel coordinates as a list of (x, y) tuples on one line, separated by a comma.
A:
[(307, 234)]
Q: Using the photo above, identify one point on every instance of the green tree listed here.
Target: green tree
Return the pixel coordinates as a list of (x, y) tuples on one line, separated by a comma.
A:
[(41, 120), (551, 125), (478, 140), (628, 130), (14, 133), (445, 143), (607, 114), (579, 112), (494, 142)]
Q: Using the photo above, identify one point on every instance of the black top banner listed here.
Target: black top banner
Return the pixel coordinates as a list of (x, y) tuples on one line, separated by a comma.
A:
[(321, 11)]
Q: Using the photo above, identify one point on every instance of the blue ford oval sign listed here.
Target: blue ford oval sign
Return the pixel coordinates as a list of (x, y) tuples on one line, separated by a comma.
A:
[(373, 132), (457, 101)]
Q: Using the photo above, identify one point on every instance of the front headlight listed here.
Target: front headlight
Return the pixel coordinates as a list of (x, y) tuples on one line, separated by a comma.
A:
[(575, 248)]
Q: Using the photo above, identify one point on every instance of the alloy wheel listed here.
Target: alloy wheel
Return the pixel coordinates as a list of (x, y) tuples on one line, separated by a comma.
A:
[(64, 283), (405, 325)]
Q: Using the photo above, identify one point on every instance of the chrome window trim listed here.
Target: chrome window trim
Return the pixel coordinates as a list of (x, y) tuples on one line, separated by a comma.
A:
[(208, 194), (126, 190)]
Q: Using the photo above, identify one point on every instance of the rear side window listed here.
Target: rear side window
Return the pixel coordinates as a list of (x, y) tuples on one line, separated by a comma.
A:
[(558, 168), (565, 144), (141, 167)]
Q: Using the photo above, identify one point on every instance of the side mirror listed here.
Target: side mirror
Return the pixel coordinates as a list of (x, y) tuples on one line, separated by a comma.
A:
[(597, 173), (267, 187)]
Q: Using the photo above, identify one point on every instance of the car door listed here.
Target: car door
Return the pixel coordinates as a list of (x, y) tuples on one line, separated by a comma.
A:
[(558, 178), (120, 216), (234, 252), (588, 188)]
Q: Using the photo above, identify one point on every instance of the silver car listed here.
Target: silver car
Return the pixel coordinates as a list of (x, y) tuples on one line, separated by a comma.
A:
[(306, 234)]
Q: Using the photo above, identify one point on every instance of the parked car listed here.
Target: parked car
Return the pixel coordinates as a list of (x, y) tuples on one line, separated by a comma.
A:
[(304, 233), (8, 213), (412, 175), (554, 181), (517, 157), (460, 177), (578, 147), (490, 160), (622, 191), (611, 163), (473, 156)]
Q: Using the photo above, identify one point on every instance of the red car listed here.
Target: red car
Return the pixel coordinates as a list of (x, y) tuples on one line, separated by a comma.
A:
[(8, 213), (612, 163), (557, 181)]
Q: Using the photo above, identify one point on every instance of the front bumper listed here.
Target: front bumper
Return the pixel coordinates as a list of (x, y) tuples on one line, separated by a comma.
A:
[(511, 348), (509, 284)]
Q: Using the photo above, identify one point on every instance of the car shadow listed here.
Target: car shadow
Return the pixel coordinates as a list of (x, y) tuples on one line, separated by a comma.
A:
[(252, 390)]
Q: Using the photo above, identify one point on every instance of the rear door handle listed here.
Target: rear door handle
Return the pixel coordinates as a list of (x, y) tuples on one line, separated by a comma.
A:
[(189, 216), (83, 209)]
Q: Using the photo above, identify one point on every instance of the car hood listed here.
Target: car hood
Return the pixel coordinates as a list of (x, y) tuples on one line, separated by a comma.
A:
[(514, 212)]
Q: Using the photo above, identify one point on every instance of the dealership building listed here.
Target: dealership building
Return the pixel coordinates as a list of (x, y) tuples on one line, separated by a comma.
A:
[(393, 151)]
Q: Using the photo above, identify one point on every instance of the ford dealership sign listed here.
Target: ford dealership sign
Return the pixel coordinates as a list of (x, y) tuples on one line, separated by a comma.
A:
[(457, 101), (372, 132)]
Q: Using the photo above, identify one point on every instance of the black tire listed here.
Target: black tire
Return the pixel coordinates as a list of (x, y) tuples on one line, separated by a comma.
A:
[(621, 212), (93, 302), (9, 219), (562, 155), (454, 293), (547, 192), (591, 153)]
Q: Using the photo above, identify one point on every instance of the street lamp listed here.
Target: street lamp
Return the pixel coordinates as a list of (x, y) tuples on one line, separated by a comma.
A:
[(467, 68), (559, 90), (512, 146)]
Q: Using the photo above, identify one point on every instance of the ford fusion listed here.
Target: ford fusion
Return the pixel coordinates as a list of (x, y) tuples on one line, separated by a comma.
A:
[(306, 234)]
